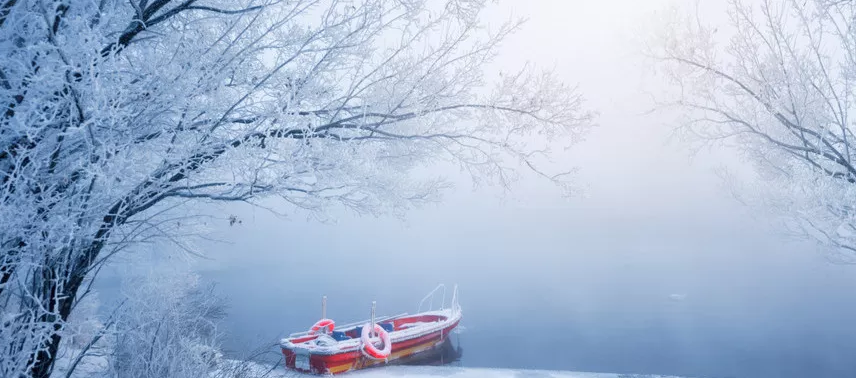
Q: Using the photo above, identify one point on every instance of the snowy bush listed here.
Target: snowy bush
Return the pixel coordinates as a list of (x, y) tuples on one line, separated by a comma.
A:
[(167, 328)]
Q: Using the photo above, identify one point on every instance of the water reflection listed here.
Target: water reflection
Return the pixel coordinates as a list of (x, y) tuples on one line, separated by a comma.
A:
[(446, 353)]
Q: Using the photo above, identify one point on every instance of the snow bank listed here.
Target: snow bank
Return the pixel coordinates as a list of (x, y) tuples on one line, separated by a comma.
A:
[(461, 372), (96, 368), (440, 371)]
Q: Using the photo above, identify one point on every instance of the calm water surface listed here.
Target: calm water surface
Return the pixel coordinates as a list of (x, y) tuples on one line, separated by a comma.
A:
[(570, 296), (688, 291)]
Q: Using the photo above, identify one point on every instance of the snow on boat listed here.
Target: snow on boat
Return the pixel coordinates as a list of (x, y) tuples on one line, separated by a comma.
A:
[(325, 349)]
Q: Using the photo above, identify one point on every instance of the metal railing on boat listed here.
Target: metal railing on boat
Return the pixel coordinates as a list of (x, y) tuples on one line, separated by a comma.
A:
[(454, 305)]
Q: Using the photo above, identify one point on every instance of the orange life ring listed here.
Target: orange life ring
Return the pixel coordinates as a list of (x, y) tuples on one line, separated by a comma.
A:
[(369, 348), (323, 323)]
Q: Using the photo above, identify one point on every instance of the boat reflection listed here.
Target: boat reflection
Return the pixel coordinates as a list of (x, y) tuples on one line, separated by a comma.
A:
[(446, 353)]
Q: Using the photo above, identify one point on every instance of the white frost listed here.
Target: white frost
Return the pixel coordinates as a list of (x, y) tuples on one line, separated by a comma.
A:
[(450, 371)]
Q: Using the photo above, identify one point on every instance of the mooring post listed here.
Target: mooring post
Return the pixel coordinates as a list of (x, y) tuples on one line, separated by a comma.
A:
[(324, 307), (372, 332)]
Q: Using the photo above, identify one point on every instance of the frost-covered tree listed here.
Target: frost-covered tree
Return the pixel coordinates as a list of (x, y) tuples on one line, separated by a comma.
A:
[(114, 110), (777, 82)]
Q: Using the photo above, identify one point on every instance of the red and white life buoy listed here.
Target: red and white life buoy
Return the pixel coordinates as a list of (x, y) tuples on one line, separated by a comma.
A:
[(323, 323), (369, 348)]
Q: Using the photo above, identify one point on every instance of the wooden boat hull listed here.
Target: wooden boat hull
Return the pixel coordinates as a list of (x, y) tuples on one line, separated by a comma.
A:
[(330, 349), (355, 360), (411, 336)]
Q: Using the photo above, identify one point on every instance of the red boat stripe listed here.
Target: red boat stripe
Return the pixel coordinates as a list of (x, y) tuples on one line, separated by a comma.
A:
[(348, 365)]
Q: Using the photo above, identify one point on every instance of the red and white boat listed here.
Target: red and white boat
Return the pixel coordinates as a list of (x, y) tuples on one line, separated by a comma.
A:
[(327, 349)]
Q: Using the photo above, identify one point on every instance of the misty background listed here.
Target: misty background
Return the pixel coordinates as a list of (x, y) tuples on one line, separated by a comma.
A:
[(652, 269)]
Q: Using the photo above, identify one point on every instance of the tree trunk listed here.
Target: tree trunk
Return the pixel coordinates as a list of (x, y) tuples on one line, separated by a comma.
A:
[(62, 304)]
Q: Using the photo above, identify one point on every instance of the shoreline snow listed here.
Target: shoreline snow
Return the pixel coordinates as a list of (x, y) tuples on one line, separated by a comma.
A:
[(98, 367), (443, 371)]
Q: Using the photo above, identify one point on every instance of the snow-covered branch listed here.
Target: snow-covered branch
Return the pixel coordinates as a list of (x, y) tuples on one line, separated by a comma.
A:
[(776, 83)]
